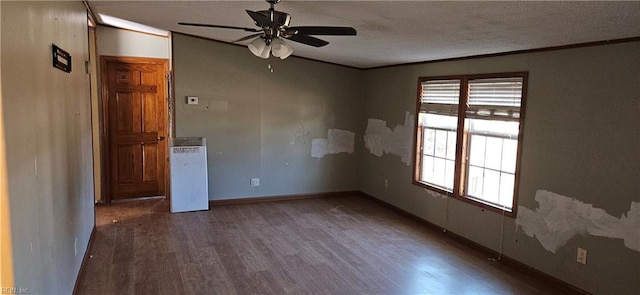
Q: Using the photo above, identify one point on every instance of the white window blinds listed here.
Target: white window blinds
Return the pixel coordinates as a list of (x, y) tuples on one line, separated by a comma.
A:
[(440, 97), (495, 99)]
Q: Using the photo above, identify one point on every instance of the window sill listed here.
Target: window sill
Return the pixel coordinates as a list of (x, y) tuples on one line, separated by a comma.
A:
[(436, 189), (468, 199), (488, 206)]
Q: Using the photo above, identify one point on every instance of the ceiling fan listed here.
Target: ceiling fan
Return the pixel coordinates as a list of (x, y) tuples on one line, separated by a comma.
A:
[(274, 27)]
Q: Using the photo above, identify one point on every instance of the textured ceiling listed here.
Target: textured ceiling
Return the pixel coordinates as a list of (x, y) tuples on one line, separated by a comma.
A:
[(397, 32)]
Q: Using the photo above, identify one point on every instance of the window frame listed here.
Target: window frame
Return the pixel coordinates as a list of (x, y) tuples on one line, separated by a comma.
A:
[(463, 140)]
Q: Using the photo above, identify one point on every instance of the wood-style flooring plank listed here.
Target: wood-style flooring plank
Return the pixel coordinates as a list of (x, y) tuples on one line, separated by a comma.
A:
[(335, 245)]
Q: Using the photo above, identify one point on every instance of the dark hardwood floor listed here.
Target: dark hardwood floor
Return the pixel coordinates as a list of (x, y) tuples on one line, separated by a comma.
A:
[(336, 245)]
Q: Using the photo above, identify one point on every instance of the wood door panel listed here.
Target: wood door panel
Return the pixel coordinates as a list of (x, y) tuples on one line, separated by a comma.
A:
[(136, 113), (128, 155), (148, 78), (125, 107), (137, 123), (138, 89), (150, 110), (150, 167)]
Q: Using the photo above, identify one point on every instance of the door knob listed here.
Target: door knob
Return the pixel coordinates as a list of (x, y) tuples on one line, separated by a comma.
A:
[(160, 138)]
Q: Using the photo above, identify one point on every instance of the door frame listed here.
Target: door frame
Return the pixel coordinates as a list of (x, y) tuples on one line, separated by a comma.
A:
[(104, 130)]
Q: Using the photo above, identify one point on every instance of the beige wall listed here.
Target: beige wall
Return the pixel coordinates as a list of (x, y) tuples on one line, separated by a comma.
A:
[(48, 143), (118, 42), (6, 248), (96, 117), (581, 140)]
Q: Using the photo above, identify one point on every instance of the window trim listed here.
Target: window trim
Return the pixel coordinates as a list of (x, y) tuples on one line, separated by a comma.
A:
[(462, 141)]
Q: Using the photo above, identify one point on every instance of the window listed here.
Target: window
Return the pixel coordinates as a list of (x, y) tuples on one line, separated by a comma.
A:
[(468, 137)]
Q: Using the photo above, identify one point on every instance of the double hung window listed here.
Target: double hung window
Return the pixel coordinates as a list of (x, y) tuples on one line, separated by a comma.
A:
[(469, 135)]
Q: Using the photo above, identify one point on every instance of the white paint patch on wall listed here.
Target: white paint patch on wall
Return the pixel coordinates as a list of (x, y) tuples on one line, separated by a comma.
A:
[(301, 135), (380, 139), (337, 141), (559, 218)]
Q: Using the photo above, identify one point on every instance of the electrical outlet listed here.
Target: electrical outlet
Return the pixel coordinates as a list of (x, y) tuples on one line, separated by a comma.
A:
[(255, 181), (582, 256), (386, 182)]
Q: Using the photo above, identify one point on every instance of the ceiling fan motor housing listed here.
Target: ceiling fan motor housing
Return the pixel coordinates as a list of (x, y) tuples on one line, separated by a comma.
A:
[(278, 18)]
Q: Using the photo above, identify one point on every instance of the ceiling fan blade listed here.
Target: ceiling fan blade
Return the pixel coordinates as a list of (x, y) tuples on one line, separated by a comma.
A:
[(315, 30), (308, 40), (247, 37), (219, 26), (260, 19)]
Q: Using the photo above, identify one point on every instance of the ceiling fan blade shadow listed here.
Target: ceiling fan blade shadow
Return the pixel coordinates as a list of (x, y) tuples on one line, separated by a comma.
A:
[(247, 37), (260, 19), (308, 40), (219, 26), (319, 30)]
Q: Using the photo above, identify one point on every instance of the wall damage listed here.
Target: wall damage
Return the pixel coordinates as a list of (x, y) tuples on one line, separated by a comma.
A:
[(559, 218), (380, 139), (337, 141)]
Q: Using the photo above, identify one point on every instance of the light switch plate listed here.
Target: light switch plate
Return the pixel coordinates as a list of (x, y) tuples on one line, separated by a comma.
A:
[(192, 100)]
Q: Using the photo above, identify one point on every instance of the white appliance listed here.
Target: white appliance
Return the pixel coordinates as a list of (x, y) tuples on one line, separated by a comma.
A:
[(189, 183)]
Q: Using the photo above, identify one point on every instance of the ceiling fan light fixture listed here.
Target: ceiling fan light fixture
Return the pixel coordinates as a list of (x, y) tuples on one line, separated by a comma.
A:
[(265, 52), (280, 49), (274, 28), (259, 48)]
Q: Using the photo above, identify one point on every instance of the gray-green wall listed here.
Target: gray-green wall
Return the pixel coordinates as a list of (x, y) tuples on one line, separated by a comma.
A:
[(581, 140), (261, 124), (48, 143)]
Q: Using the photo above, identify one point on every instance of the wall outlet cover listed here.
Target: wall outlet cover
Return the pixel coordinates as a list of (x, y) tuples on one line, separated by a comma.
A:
[(582, 256), (192, 100), (255, 181)]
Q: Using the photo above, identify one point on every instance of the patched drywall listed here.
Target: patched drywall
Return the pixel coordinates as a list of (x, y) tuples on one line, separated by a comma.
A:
[(380, 139), (581, 137), (337, 141), (559, 218)]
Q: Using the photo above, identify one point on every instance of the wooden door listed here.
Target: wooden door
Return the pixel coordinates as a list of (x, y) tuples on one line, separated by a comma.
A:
[(136, 125)]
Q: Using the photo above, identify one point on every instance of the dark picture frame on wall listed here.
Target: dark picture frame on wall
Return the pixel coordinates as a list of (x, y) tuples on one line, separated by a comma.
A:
[(61, 59)]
